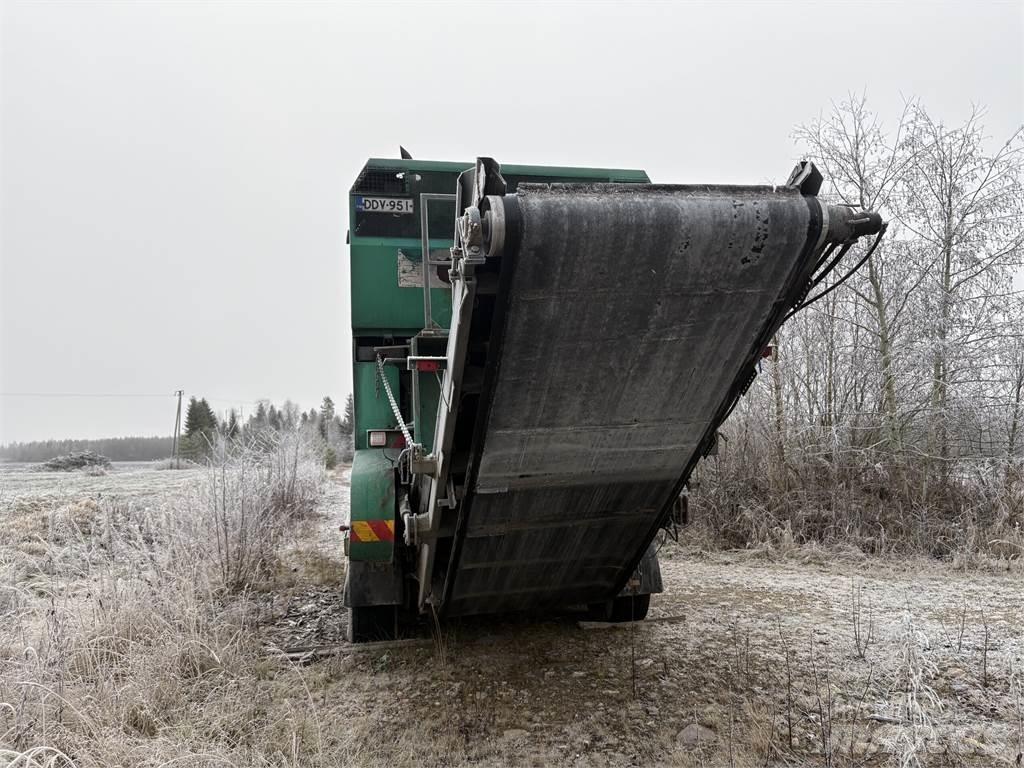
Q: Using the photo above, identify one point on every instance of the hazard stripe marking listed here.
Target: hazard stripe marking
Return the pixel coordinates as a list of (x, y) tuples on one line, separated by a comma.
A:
[(385, 529), (370, 531), (362, 531)]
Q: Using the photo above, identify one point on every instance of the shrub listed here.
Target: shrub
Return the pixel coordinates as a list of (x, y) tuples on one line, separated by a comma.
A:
[(878, 503)]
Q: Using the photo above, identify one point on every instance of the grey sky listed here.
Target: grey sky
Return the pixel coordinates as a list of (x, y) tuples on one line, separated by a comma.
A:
[(174, 174)]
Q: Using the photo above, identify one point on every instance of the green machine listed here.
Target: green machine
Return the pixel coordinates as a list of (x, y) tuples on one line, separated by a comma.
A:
[(541, 356)]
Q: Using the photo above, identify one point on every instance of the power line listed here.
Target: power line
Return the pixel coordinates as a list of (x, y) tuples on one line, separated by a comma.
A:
[(87, 394), (233, 400), (121, 394)]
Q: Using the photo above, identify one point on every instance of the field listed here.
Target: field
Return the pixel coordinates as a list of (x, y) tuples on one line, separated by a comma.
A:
[(113, 656), (126, 480)]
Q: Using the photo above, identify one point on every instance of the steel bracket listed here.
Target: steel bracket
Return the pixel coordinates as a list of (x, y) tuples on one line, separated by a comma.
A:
[(423, 465)]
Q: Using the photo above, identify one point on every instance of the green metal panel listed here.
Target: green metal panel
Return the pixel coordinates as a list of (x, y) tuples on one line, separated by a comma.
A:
[(373, 411), (372, 499), (378, 301)]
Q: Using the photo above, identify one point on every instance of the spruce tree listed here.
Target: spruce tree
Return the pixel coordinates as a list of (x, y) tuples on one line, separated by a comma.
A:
[(348, 422), (193, 418), (326, 416), (208, 418)]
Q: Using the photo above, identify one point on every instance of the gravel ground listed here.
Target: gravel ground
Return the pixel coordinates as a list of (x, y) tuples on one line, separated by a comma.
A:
[(742, 661)]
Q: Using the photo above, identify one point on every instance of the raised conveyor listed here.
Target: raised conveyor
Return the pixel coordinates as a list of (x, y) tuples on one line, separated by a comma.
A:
[(626, 321)]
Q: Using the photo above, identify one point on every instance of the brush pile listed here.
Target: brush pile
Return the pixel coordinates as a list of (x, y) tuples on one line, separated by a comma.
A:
[(75, 460)]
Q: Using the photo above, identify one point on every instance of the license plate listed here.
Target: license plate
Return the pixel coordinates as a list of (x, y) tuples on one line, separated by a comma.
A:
[(384, 204)]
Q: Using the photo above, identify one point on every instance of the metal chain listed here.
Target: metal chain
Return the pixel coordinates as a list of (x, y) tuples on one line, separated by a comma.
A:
[(391, 399)]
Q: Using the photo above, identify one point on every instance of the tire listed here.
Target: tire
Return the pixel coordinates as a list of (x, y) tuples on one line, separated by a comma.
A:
[(619, 609), (373, 623)]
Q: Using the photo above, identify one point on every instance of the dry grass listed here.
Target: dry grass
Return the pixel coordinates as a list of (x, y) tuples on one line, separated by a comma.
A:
[(858, 501), (128, 627)]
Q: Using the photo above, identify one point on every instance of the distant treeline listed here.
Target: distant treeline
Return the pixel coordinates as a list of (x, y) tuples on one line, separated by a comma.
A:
[(203, 429), (114, 448)]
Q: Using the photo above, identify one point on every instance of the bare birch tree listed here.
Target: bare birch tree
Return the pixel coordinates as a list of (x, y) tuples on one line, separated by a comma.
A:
[(865, 166), (886, 400), (964, 207)]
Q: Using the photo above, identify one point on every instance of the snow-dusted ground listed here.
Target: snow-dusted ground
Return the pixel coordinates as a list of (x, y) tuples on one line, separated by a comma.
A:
[(546, 691), (129, 479), (743, 661), (543, 690)]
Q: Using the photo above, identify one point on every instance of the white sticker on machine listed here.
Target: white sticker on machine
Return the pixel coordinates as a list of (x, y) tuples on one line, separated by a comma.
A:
[(410, 273)]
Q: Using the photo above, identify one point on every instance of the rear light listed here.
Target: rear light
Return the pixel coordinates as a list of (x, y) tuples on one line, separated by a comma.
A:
[(385, 438)]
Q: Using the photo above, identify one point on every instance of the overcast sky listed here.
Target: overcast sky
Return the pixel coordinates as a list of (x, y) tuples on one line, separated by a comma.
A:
[(174, 175)]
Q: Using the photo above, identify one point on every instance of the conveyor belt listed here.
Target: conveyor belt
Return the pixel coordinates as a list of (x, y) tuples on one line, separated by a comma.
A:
[(632, 316)]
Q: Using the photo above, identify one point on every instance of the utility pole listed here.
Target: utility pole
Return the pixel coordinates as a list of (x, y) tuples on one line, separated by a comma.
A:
[(177, 430)]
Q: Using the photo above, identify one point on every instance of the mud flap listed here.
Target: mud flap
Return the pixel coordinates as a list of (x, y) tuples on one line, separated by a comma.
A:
[(373, 596), (369, 583), (646, 579)]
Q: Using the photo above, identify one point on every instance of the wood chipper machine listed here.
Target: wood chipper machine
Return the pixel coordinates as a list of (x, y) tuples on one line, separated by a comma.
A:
[(541, 357)]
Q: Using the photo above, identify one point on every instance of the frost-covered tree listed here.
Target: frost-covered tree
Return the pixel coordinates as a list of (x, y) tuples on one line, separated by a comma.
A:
[(864, 164), (201, 427), (348, 421), (326, 417), (290, 415), (963, 205)]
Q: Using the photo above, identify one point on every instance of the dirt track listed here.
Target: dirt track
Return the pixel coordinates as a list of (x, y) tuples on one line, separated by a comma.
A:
[(703, 683)]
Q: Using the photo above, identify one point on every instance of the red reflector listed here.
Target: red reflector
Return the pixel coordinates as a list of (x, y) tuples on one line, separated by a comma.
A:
[(397, 441), (768, 352), (428, 366), (378, 439)]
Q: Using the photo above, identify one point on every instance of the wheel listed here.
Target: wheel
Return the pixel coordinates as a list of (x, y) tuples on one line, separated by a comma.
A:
[(372, 623), (622, 608)]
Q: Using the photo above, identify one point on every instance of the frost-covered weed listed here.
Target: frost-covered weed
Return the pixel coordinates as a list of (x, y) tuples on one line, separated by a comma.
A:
[(918, 698), (139, 616)]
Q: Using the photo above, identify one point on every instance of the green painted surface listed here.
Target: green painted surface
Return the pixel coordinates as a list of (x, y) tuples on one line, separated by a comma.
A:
[(372, 497), (377, 299), (373, 410)]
